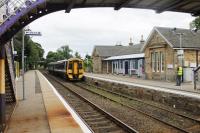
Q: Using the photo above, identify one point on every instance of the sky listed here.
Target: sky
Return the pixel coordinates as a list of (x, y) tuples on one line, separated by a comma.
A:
[(82, 29)]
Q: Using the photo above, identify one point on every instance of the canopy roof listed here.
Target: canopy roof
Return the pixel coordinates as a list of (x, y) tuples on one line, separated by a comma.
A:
[(132, 56)]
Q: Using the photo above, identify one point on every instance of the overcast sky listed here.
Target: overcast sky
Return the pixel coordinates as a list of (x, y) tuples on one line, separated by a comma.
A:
[(82, 29)]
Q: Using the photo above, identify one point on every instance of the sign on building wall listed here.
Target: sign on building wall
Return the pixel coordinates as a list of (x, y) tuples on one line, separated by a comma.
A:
[(169, 66)]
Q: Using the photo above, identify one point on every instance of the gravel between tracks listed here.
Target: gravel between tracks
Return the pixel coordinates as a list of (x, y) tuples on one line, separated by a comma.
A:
[(134, 119)]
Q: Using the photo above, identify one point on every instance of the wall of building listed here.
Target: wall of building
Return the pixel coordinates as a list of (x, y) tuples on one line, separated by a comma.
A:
[(158, 44), (190, 57), (97, 64)]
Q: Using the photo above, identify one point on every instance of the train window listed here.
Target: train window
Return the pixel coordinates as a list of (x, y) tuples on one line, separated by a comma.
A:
[(70, 65), (80, 66)]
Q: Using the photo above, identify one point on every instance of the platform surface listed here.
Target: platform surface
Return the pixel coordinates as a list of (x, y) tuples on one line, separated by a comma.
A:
[(30, 114), (42, 111), (186, 89)]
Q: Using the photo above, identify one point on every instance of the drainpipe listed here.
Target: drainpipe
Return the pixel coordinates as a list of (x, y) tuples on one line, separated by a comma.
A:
[(2, 88)]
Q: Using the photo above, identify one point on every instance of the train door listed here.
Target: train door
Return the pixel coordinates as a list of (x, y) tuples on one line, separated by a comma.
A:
[(75, 67), (126, 67)]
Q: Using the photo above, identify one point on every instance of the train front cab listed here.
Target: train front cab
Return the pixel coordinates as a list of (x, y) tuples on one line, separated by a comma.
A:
[(75, 69)]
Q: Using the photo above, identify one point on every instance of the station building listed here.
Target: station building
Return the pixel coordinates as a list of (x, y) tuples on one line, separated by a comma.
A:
[(161, 53), (125, 60)]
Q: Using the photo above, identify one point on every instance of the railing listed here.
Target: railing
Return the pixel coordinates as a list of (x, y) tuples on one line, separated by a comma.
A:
[(9, 8), (197, 78)]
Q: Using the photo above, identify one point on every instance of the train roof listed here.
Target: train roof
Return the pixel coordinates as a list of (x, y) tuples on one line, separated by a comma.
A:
[(61, 61), (57, 62), (75, 59)]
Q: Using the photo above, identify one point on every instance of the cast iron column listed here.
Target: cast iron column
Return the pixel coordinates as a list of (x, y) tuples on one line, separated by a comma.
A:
[(2, 88)]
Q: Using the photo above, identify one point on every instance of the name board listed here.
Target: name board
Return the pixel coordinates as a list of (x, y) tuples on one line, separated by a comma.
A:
[(31, 33), (180, 52)]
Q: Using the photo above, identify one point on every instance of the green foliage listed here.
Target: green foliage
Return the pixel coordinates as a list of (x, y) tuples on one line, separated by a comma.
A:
[(195, 23), (33, 51), (88, 63), (61, 54), (77, 55)]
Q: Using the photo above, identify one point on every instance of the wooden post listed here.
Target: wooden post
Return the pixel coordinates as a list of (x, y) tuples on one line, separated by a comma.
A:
[(2, 88)]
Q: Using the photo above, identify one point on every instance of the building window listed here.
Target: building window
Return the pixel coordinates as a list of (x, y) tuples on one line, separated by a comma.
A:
[(162, 61), (153, 61), (158, 62)]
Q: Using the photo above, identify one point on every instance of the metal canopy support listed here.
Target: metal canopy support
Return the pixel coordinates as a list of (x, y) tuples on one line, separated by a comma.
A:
[(83, 2), (2, 88), (70, 6), (123, 3), (172, 5)]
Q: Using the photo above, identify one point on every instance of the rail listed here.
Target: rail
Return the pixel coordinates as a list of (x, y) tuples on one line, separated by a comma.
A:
[(108, 115)]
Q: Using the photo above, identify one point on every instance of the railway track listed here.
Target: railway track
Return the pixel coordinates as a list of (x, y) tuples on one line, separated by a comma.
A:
[(176, 120), (96, 118)]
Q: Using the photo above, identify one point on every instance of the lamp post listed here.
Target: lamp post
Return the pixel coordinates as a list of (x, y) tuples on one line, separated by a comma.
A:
[(29, 33), (180, 53), (23, 84)]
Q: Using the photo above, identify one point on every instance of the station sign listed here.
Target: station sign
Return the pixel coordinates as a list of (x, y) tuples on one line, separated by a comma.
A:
[(180, 52), (31, 33)]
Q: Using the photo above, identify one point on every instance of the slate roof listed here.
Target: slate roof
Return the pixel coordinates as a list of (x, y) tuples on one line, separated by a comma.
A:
[(107, 51), (190, 39)]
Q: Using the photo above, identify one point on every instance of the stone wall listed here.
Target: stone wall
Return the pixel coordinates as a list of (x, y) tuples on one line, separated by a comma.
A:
[(190, 57), (97, 64), (104, 67), (158, 44), (184, 103)]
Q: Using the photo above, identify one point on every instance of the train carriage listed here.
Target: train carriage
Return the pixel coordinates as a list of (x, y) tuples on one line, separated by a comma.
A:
[(71, 69)]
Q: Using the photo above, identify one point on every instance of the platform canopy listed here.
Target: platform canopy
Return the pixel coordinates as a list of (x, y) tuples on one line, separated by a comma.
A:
[(187, 6)]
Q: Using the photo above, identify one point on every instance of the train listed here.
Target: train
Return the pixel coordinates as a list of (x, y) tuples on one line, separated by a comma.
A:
[(71, 69)]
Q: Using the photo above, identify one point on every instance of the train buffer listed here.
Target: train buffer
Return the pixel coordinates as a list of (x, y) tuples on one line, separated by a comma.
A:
[(43, 109)]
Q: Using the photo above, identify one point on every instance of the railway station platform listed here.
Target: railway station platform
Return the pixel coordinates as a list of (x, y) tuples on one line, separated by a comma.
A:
[(164, 84), (185, 89), (43, 109)]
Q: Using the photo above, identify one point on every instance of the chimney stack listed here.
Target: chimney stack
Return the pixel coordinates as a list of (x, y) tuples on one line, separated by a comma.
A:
[(142, 40), (131, 42)]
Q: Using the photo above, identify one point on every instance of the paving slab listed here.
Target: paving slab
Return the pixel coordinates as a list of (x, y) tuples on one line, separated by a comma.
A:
[(30, 114), (61, 119), (42, 111)]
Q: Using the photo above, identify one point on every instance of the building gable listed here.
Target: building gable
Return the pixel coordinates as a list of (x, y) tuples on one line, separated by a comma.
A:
[(155, 40), (95, 53)]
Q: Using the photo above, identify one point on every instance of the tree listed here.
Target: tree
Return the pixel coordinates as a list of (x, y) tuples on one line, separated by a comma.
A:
[(195, 23), (77, 55), (33, 51), (64, 52), (88, 63)]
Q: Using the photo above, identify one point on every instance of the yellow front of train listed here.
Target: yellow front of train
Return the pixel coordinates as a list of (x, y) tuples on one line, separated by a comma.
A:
[(75, 69)]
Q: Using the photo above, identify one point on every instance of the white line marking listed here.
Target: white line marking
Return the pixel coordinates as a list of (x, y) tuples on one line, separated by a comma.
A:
[(67, 106)]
